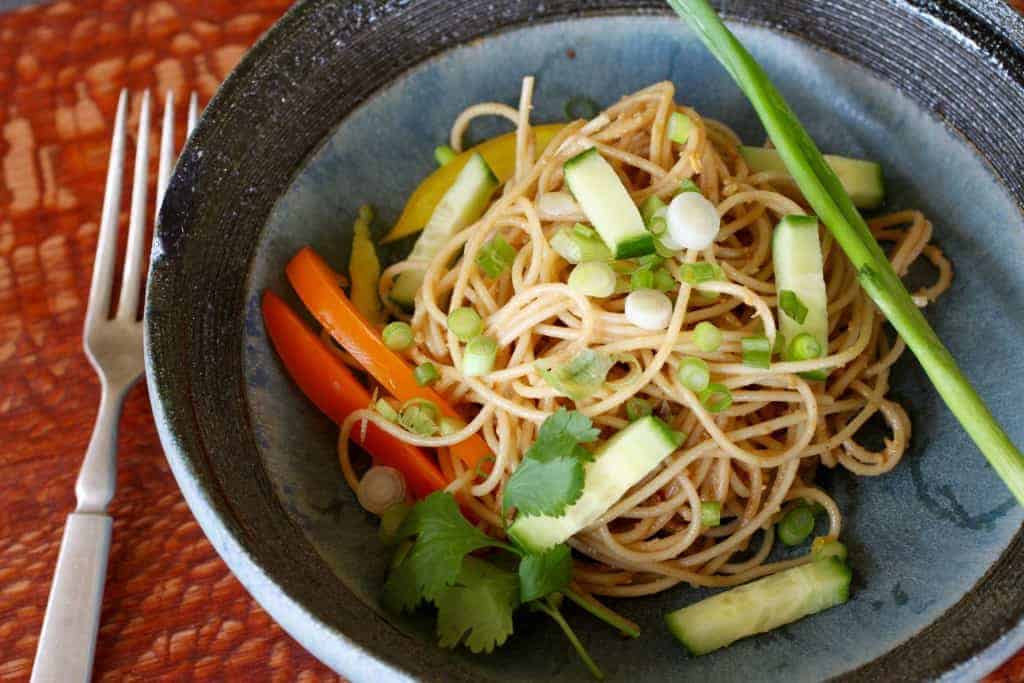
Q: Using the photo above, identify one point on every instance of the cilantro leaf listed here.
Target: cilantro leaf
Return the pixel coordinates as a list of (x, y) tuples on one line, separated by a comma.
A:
[(444, 538), (550, 476), (477, 609), (546, 573), (544, 487), (569, 423), (401, 594)]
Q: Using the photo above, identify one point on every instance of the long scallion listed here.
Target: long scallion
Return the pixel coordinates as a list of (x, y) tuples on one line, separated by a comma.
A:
[(830, 201)]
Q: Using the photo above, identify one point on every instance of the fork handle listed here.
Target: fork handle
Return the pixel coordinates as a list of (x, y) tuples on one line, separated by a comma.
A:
[(68, 639)]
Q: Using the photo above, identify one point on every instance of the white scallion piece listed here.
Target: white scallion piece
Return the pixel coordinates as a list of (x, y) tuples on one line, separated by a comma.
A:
[(648, 309), (693, 222), (594, 278), (380, 488)]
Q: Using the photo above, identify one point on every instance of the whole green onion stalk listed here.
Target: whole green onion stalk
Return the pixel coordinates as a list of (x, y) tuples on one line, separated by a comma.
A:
[(832, 204)]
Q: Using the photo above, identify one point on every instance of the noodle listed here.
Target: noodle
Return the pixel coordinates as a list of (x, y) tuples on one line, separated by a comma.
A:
[(757, 457)]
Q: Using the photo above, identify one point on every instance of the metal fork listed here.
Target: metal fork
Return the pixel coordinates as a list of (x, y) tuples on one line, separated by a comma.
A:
[(113, 345)]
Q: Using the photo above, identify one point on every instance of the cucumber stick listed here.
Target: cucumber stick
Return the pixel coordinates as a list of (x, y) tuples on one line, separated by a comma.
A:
[(861, 179), (607, 204), (799, 268), (621, 462), (464, 202), (761, 606)]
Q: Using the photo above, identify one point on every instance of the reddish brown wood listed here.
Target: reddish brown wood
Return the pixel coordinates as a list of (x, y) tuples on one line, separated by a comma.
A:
[(172, 611)]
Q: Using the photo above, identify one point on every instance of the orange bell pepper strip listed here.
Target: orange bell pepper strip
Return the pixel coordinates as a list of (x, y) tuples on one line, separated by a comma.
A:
[(316, 285), (332, 387)]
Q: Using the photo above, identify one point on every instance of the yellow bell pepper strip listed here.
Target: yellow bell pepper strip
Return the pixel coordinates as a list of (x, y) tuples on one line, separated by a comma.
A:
[(500, 155), (314, 282), (364, 269), (332, 387)]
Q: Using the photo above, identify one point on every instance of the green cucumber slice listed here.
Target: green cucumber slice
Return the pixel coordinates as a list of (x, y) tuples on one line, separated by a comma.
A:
[(862, 180), (760, 606), (621, 462), (607, 204), (463, 203), (796, 253)]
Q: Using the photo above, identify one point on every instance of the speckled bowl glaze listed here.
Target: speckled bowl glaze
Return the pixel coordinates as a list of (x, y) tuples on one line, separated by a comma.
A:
[(342, 103)]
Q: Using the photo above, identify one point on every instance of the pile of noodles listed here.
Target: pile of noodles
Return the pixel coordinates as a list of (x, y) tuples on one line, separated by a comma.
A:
[(758, 457)]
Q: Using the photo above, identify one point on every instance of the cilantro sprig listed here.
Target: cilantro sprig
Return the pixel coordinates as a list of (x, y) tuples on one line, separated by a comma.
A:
[(550, 477), (476, 598)]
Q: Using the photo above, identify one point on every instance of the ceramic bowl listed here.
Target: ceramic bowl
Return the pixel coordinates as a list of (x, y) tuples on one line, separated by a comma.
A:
[(342, 103)]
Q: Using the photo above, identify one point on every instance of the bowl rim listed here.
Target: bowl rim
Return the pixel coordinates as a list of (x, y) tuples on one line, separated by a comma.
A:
[(994, 30)]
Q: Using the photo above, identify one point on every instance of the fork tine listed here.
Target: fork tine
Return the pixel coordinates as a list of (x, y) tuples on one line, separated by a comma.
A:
[(166, 152), (128, 305), (193, 111), (106, 243)]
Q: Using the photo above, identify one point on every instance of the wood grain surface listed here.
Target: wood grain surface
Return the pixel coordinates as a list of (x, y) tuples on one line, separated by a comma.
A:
[(172, 611)]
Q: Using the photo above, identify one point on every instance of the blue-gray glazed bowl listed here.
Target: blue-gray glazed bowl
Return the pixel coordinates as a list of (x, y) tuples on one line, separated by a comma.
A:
[(342, 103)]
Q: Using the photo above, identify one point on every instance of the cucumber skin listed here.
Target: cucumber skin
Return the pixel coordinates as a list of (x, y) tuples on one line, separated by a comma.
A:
[(830, 567), (641, 245)]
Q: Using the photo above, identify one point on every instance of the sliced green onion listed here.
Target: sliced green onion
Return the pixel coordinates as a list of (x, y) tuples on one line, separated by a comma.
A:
[(688, 186), (696, 273), (650, 208), (678, 437), (804, 347), (479, 356), (465, 323), (641, 278), (581, 377), (707, 337), (716, 397), (420, 417), (796, 525), (780, 344), (495, 257), (757, 352), (637, 408), (826, 546), (397, 336), (449, 425), (693, 374), (679, 127), (790, 304), (579, 244), (593, 278), (651, 260), (387, 411), (443, 155), (658, 226), (426, 374), (663, 280), (710, 513), (391, 520)]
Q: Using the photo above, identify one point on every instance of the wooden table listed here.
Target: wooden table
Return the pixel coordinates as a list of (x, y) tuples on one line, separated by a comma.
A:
[(172, 611)]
